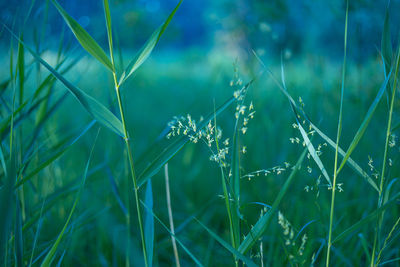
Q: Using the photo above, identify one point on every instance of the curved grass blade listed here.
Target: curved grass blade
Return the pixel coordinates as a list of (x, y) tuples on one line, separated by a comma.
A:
[(149, 224), (365, 123), (147, 48), (259, 228), (92, 106), (50, 255), (87, 42), (176, 238), (53, 157), (366, 219), (307, 141), (332, 144), (226, 245)]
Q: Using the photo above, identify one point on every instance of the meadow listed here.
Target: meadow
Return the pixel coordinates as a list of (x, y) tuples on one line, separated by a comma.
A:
[(233, 154)]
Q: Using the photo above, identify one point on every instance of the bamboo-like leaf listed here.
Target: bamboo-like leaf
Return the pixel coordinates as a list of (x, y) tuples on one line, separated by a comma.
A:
[(147, 48), (50, 255), (226, 245), (364, 124), (259, 228), (92, 106), (87, 42), (149, 224)]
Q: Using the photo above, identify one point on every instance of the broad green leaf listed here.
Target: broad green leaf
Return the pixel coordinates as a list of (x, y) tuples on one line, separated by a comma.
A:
[(366, 219), (259, 228), (364, 124), (226, 245), (50, 255), (87, 42), (176, 238), (165, 153), (147, 48), (92, 106), (149, 224)]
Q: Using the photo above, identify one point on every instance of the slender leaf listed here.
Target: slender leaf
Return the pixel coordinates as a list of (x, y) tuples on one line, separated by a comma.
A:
[(365, 123), (366, 219), (259, 228), (149, 224), (147, 48), (92, 106), (331, 143), (53, 157), (87, 42), (176, 238), (226, 245), (386, 44), (50, 255)]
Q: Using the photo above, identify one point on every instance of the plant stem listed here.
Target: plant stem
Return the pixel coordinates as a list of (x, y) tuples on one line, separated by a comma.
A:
[(171, 218), (339, 131), (388, 133), (130, 158)]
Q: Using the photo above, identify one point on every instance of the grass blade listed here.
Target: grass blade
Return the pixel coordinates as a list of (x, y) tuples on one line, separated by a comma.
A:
[(147, 48), (259, 228), (6, 207), (92, 106), (364, 124), (331, 143), (86, 41), (53, 157), (226, 245), (50, 255), (176, 238), (386, 44), (366, 219), (149, 224)]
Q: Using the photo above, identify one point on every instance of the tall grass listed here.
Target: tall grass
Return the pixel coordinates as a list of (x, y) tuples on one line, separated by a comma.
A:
[(249, 182)]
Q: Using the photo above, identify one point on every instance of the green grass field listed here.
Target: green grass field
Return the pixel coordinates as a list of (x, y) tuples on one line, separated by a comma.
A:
[(115, 158)]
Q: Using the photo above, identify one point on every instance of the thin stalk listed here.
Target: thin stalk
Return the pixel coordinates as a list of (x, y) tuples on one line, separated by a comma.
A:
[(171, 218), (225, 189), (130, 158), (339, 131), (382, 181)]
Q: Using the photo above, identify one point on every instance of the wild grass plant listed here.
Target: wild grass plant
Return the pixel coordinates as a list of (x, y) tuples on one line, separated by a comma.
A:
[(255, 179)]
